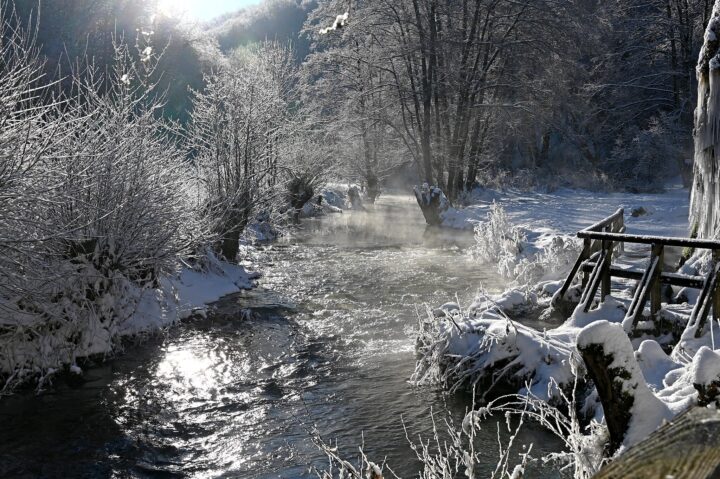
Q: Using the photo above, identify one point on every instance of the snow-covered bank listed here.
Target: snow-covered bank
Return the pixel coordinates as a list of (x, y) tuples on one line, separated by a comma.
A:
[(486, 346), (566, 211), (33, 346), (190, 292)]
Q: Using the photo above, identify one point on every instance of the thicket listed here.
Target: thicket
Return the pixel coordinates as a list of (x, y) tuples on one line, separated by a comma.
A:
[(102, 197)]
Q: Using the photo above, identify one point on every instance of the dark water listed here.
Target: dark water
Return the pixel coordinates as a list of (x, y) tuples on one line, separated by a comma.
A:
[(328, 344)]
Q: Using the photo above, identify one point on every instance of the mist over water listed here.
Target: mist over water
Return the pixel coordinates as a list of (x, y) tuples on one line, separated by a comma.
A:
[(326, 340)]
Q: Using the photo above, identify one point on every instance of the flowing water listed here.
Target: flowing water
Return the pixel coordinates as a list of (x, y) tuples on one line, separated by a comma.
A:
[(325, 341)]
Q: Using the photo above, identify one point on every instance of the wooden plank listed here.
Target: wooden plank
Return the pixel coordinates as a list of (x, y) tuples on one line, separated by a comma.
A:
[(655, 287), (643, 239), (606, 221), (642, 292), (594, 282), (605, 282), (702, 307), (673, 279), (584, 255), (687, 447), (621, 244)]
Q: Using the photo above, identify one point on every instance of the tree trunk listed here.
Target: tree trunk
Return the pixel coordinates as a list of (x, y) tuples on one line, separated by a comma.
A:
[(432, 202), (705, 197)]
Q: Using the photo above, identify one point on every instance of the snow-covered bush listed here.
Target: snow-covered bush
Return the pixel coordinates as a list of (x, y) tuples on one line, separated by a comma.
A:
[(498, 241), (484, 350), (99, 210), (553, 261), (236, 136), (128, 191)]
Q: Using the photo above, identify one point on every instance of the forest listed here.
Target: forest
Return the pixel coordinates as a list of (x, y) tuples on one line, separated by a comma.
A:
[(343, 216)]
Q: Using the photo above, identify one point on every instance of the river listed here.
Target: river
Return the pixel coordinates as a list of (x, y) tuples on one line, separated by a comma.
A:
[(325, 341)]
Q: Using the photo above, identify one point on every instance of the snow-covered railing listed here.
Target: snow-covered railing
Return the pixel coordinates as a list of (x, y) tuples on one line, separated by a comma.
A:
[(595, 264), (599, 252)]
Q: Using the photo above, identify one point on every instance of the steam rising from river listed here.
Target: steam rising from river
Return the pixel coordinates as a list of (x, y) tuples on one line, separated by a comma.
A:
[(330, 342)]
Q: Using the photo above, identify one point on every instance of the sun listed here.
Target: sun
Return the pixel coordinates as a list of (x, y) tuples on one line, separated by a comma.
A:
[(174, 8)]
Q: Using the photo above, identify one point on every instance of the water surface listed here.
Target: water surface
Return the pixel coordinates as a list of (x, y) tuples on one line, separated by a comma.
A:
[(326, 341)]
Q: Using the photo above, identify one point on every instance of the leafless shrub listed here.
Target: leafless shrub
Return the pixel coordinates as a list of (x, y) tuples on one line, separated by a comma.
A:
[(237, 130), (97, 206)]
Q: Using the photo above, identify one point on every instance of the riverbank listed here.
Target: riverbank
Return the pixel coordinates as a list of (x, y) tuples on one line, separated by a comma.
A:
[(32, 350), (328, 342), (488, 343), (566, 211)]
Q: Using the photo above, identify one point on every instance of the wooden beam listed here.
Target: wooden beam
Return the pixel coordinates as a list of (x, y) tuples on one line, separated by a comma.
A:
[(702, 307), (642, 292), (584, 255), (687, 447), (594, 282), (657, 251), (674, 279), (607, 221), (643, 239), (605, 283)]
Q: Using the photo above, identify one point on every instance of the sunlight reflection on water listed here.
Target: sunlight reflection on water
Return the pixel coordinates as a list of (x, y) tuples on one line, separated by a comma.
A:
[(332, 345)]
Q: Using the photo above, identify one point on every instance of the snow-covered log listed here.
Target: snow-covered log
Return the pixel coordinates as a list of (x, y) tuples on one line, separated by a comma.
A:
[(631, 409), (705, 199), (683, 448)]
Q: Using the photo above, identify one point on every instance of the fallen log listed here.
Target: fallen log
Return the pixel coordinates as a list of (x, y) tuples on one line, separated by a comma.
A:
[(687, 447), (631, 409)]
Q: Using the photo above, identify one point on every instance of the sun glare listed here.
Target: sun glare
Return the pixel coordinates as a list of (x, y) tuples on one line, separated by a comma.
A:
[(174, 8)]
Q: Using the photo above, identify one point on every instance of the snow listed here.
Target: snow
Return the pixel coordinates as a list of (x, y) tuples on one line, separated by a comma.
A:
[(340, 21), (680, 385), (648, 411), (654, 363), (188, 293), (125, 310), (530, 236), (333, 198), (566, 211), (705, 367), (610, 310)]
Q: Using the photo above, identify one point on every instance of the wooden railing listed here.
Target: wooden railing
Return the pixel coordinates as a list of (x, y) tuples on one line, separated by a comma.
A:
[(595, 263)]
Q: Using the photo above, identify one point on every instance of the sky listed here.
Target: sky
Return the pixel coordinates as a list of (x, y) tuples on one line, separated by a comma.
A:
[(203, 9)]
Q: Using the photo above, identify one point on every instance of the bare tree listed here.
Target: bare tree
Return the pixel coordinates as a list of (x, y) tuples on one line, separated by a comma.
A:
[(235, 134)]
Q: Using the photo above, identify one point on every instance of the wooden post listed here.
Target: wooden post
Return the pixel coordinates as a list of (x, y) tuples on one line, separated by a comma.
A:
[(656, 250), (698, 318), (596, 277), (607, 246), (683, 448), (620, 228), (648, 287), (587, 252)]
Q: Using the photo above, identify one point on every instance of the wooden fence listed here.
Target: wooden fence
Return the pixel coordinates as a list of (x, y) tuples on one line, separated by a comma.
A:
[(602, 239)]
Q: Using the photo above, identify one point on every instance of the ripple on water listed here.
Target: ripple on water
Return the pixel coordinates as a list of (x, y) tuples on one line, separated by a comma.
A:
[(331, 345)]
